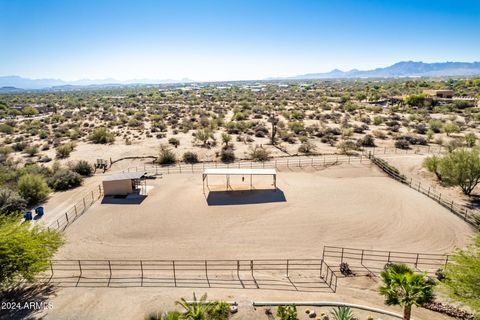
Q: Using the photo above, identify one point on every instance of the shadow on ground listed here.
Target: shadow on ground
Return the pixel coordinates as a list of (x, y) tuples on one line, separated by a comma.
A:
[(135, 199), (24, 302), (227, 198)]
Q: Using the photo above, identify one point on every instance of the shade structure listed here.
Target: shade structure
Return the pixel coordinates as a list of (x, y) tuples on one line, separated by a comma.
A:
[(123, 183), (238, 172)]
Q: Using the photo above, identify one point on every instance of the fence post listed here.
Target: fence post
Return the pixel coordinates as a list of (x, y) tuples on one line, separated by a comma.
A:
[(416, 260), (81, 272), (451, 206), (109, 268), (66, 216), (174, 274), (75, 208), (141, 267), (206, 273), (84, 205), (341, 259), (361, 259), (51, 268), (287, 267), (429, 191), (93, 199)]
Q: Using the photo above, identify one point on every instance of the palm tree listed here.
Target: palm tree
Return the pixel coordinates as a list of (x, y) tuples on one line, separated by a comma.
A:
[(197, 309), (401, 286)]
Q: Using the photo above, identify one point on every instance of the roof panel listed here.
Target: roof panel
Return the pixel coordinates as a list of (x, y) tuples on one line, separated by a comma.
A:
[(124, 176), (239, 171)]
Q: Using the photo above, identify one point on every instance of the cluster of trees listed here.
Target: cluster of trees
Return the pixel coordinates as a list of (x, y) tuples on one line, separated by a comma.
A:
[(460, 167)]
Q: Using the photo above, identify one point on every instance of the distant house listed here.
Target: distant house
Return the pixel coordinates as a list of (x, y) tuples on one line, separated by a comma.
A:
[(443, 94)]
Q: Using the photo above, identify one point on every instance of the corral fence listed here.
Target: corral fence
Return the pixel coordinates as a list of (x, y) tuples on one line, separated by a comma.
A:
[(416, 149), (467, 214), (374, 261), (272, 274), (77, 209), (288, 162)]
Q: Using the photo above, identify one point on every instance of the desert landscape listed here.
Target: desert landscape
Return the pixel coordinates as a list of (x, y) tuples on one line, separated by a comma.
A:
[(239, 160)]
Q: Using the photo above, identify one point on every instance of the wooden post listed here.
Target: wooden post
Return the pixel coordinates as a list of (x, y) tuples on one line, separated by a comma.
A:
[(206, 274), (141, 268), (287, 267), (66, 216), (81, 272)]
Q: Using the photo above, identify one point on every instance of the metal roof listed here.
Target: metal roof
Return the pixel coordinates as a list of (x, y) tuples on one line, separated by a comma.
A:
[(237, 171), (125, 176)]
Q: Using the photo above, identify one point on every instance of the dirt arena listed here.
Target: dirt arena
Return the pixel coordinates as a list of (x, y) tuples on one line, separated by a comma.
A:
[(353, 205), (348, 205)]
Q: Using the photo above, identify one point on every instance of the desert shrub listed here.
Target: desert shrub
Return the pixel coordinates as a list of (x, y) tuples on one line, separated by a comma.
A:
[(463, 276), (287, 312), (64, 179), (83, 168), (63, 151), (166, 155), (174, 142), (307, 147), (342, 313), (190, 157), (402, 144), (101, 135), (435, 125), (347, 146), (227, 155), (461, 167), (5, 128), (432, 164), (259, 153), (416, 100), (219, 311), (26, 250), (450, 128), (33, 188), (368, 141), (31, 150), (470, 139), (11, 201)]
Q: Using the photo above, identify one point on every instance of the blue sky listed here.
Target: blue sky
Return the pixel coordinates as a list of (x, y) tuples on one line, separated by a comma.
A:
[(229, 39)]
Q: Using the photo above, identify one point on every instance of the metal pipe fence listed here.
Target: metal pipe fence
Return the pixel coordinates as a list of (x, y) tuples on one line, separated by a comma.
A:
[(289, 162), (467, 214), (274, 274), (374, 261), (77, 209)]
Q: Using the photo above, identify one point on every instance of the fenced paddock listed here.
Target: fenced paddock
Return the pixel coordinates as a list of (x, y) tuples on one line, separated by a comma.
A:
[(373, 261), (467, 214), (266, 274)]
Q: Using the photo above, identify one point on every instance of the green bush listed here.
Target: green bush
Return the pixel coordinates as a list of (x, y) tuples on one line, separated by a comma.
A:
[(63, 151), (190, 157), (83, 168), (174, 142), (227, 155), (101, 135), (287, 313), (259, 153), (219, 311), (5, 128), (64, 179), (26, 250), (166, 155), (33, 188), (31, 150), (368, 141), (11, 201)]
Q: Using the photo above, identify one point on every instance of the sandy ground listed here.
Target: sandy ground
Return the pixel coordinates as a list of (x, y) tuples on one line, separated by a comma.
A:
[(345, 206), (135, 303)]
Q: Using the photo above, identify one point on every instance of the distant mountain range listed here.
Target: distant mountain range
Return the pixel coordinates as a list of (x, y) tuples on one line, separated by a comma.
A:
[(402, 69), (9, 83), (397, 70)]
